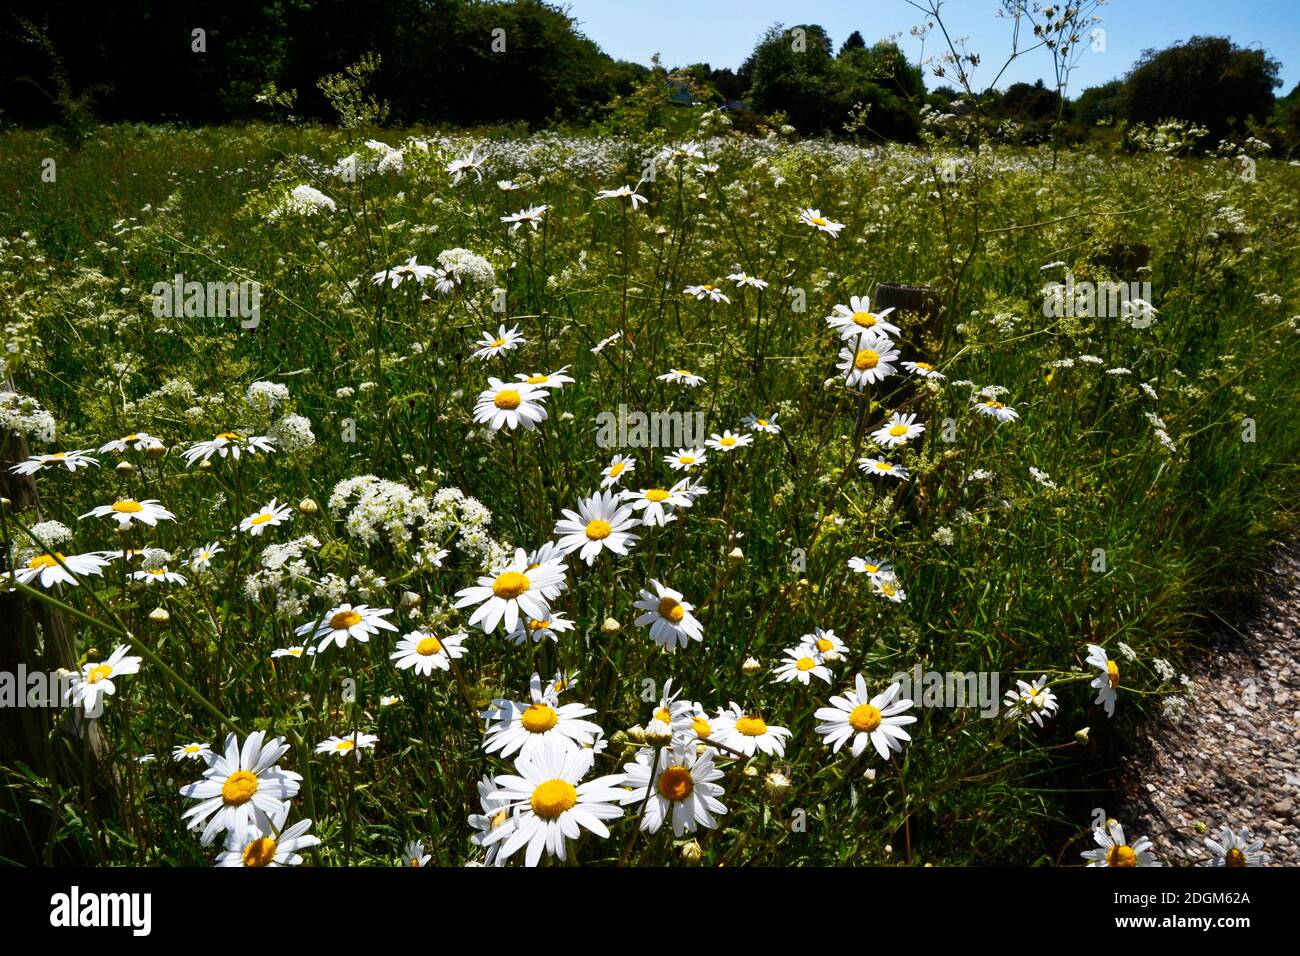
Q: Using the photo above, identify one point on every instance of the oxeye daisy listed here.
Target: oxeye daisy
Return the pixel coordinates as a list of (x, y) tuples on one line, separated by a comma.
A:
[(868, 361), (45, 570), (747, 732), (729, 442), (552, 380), (663, 716), (242, 788), (201, 560), (618, 467), (599, 524), (681, 787), (424, 652), (389, 700), (995, 409), (864, 719), (742, 280), (768, 424), (193, 751), (137, 441), (682, 376), (1233, 848), (710, 292), (268, 517), (814, 218), (277, 847), (511, 591), (870, 567), (492, 345), (514, 727), (71, 460), (533, 216), (127, 510), (350, 746), (346, 622), (538, 629), (855, 318), (887, 586), (473, 163), (413, 855), (686, 459), (510, 405), (1106, 683), (923, 370), (295, 651), (396, 275), (879, 466), (549, 802), (228, 443), (1112, 850), (671, 623), (96, 679), (495, 816), (158, 576), (823, 642), (899, 430), (656, 505), (623, 192), (1034, 701), (802, 663)]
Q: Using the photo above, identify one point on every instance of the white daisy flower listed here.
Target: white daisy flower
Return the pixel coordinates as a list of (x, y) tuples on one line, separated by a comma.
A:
[(879, 466), (746, 732), (346, 622), (670, 619), (682, 787), (899, 430), (516, 589), (136, 441), (599, 524), (128, 510), (1113, 851), (295, 651), (514, 727), (537, 630), (512, 405), (269, 517), (814, 218), (242, 788), (414, 855), (681, 376), (728, 442), (686, 459), (96, 679), (532, 216), (870, 567), (491, 346), (473, 163), (1106, 683), (549, 802), (742, 280), (855, 318), (192, 751), (551, 380), (388, 700), (619, 466), (886, 585), (623, 192), (768, 424), (1237, 848), (495, 816), (868, 361), (425, 653), (710, 292), (1034, 701), (656, 505), (45, 570), (995, 409), (228, 443), (802, 663), (71, 460), (350, 746), (278, 847), (864, 719), (201, 560), (923, 370), (158, 576)]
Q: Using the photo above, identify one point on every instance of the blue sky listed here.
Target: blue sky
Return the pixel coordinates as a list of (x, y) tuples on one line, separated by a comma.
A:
[(723, 32)]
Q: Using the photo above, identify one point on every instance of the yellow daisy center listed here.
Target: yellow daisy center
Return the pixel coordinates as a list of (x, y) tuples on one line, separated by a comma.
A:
[(864, 319), (552, 798), (864, 718), (343, 620), (924, 366), (656, 494), (428, 647), (508, 399), (260, 852), (1112, 671), (536, 625), (675, 783), (598, 530), (751, 726), (230, 436), (687, 459), (1234, 857), (263, 518), (44, 561), (884, 466), (57, 456), (760, 422), (537, 379), (824, 645), (239, 788), (992, 404), (805, 664), (898, 431), (539, 718), (345, 745), (1121, 855), (98, 673), (817, 220), (510, 585), (663, 715), (707, 288), (701, 727), (727, 441), (192, 748), (671, 609), (866, 359), (128, 506), (497, 343), (616, 469)]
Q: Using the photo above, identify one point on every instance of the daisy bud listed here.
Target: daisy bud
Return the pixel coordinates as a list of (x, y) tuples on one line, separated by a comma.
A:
[(832, 657), (692, 853), (611, 626), (1081, 736), (1200, 827), (870, 775), (205, 465), (159, 615), (658, 733), (5, 502), (619, 739), (410, 599), (308, 506), (889, 850), (636, 734), (751, 667), (736, 556), (92, 654), (125, 467), (777, 785), (750, 770)]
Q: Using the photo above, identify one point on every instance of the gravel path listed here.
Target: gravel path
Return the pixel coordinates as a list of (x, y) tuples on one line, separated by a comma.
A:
[(1235, 757)]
